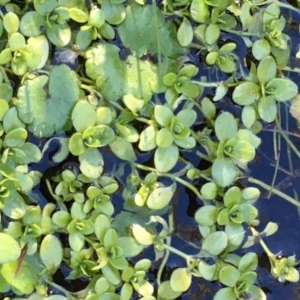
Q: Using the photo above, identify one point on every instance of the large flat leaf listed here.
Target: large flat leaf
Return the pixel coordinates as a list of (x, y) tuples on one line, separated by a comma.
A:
[(46, 108), (116, 78), (145, 30)]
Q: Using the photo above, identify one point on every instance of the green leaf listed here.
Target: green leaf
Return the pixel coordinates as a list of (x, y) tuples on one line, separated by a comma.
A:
[(91, 163), (232, 196), (102, 224), (31, 24), (206, 215), (114, 13), (261, 48), (163, 115), (47, 112), (147, 138), (248, 262), (117, 78), (143, 236), (11, 22), (161, 197), (212, 34), (181, 280), (223, 172), (267, 108), (99, 136), (130, 247), (123, 149), (144, 29), (9, 248), (166, 292), (266, 69), (225, 293), (51, 252), (164, 138), (166, 158), (44, 7), (15, 138), (239, 150), (76, 144), (76, 241), (246, 93), (185, 33), (225, 126), (199, 11), (101, 286), (283, 89), (59, 34), (15, 206), (229, 276), (248, 116), (5, 57), (78, 15), (207, 271), (215, 242), (270, 229), (83, 116)]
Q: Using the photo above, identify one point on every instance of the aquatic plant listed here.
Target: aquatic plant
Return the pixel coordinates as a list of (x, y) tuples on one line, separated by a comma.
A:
[(135, 95)]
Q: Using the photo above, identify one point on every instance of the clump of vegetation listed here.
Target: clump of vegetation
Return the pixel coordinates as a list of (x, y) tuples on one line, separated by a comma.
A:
[(113, 82)]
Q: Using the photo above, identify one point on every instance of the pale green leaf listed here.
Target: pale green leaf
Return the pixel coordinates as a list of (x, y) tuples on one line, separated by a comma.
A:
[(45, 112)]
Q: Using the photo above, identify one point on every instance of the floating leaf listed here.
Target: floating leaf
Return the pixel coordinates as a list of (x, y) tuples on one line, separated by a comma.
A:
[(223, 172), (91, 163), (185, 33), (161, 197), (215, 242), (166, 158), (145, 30), (46, 111), (225, 126), (117, 78), (123, 149), (181, 280), (51, 252), (9, 249)]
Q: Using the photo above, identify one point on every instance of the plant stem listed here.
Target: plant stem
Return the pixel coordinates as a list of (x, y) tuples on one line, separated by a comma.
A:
[(274, 191), (5, 77), (167, 252), (263, 244), (60, 288), (285, 136), (175, 178), (56, 197), (178, 252), (86, 80)]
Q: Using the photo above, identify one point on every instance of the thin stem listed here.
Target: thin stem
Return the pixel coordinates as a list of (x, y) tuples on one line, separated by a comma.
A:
[(167, 252), (56, 197), (285, 136), (60, 288), (274, 191), (281, 4), (263, 244), (172, 176), (178, 252), (86, 80), (241, 33), (203, 156), (5, 77)]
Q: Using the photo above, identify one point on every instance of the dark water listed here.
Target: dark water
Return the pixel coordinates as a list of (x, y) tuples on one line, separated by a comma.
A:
[(275, 209)]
